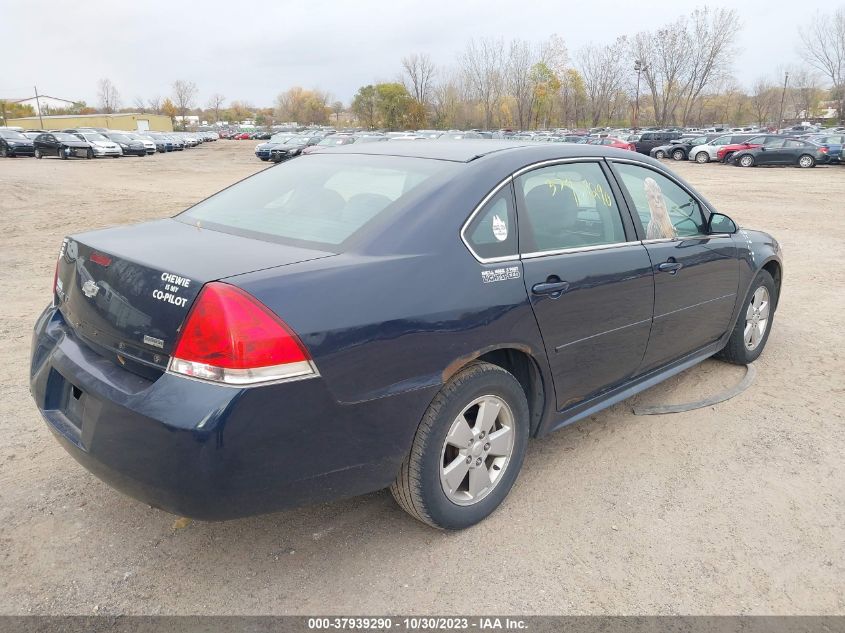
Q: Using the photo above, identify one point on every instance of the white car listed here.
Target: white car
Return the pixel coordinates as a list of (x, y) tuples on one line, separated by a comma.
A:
[(102, 145), (149, 144), (707, 152)]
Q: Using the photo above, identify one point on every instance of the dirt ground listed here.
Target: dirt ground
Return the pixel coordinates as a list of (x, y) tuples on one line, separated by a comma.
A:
[(734, 509)]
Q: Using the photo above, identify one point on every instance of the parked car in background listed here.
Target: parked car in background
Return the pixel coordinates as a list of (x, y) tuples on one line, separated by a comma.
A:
[(262, 150), (100, 144), (14, 143), (709, 151), (679, 149), (292, 147), (162, 144), (62, 145), (458, 136), (786, 151), (148, 143), (725, 152), (241, 357), (129, 146), (613, 142), (833, 142), (335, 140), (650, 140)]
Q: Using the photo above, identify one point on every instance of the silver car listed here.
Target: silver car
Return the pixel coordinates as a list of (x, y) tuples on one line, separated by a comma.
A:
[(709, 151)]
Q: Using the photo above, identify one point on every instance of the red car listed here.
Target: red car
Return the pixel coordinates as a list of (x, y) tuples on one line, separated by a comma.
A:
[(727, 151), (243, 136), (612, 142)]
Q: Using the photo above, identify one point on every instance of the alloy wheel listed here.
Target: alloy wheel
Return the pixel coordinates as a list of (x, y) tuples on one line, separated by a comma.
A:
[(702, 157), (757, 318), (678, 155), (806, 161), (660, 154), (477, 450), (746, 161)]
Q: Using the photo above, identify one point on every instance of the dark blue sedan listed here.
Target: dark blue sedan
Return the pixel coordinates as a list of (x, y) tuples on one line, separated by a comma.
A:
[(387, 315)]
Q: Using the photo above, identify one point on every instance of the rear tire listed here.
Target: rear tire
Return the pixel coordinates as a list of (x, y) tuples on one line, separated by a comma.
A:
[(746, 160), (702, 157), (483, 410), (660, 154), (728, 157), (806, 161), (745, 343), (679, 154), (89, 154)]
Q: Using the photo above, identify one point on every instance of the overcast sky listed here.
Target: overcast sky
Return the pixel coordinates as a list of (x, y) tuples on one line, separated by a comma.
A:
[(253, 50)]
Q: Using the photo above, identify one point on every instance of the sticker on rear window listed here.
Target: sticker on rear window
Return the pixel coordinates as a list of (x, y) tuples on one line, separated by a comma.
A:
[(500, 229), (500, 274)]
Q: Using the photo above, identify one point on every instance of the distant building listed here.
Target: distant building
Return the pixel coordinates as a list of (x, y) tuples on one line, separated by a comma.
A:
[(43, 103), (129, 121)]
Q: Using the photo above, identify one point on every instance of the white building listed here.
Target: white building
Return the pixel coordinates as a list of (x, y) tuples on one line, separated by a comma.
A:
[(43, 104)]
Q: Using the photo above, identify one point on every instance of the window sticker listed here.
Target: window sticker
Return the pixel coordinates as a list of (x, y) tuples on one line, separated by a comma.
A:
[(596, 191), (500, 228), (660, 225)]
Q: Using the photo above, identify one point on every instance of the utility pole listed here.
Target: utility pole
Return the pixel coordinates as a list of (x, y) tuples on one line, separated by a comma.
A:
[(639, 66), (38, 107), (782, 98)]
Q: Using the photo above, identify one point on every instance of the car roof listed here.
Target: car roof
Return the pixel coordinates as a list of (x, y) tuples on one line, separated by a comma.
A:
[(464, 151)]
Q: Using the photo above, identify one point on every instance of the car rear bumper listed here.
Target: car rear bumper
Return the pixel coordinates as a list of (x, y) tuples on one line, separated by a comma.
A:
[(214, 452)]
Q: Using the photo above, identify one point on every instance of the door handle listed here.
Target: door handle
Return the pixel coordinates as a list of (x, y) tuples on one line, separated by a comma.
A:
[(670, 267), (553, 288)]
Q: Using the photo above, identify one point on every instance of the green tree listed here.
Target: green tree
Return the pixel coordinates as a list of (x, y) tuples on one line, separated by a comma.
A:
[(364, 106), (393, 104)]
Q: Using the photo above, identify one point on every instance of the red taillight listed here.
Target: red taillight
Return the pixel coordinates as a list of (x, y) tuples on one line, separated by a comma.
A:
[(231, 337), (823, 149)]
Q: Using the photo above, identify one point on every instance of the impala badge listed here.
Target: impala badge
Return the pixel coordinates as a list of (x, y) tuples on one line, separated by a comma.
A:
[(90, 289)]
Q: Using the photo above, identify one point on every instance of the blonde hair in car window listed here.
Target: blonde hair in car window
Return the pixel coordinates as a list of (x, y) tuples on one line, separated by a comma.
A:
[(660, 225)]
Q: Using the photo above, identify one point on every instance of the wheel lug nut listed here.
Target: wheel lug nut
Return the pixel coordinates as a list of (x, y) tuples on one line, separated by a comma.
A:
[(469, 460), (481, 435), (478, 462), (487, 446)]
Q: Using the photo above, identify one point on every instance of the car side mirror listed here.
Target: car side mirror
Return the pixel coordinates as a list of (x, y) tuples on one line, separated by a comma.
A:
[(720, 223)]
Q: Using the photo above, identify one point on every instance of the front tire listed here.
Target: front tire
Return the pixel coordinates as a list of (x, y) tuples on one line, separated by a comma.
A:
[(89, 154), (660, 154), (4, 152), (467, 451), (702, 157), (679, 154), (749, 336), (38, 153), (746, 160)]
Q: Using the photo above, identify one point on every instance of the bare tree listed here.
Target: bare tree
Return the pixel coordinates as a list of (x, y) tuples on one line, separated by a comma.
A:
[(155, 104), (482, 66), (108, 96), (337, 108), (418, 76), (666, 65), (184, 93), (603, 71), (139, 104), (823, 47), (714, 32), (763, 101), (215, 104), (521, 58)]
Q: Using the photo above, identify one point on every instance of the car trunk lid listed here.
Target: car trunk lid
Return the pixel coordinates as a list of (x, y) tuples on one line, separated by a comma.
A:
[(126, 291)]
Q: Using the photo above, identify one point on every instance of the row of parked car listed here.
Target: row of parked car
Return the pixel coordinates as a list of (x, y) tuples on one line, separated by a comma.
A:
[(749, 150), (95, 142)]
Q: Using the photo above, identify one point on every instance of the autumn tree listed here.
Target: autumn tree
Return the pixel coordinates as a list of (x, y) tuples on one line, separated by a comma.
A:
[(364, 106), (303, 106)]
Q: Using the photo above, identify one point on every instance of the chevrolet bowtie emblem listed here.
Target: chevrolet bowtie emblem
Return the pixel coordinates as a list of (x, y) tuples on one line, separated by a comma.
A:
[(90, 289)]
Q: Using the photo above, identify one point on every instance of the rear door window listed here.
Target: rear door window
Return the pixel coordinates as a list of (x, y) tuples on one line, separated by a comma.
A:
[(569, 205)]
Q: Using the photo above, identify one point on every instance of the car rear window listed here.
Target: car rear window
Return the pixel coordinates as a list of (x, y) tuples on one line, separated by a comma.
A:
[(318, 200)]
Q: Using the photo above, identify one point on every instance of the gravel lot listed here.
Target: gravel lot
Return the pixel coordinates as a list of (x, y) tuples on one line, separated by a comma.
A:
[(738, 508)]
